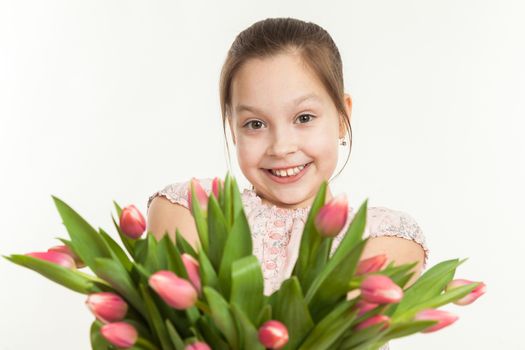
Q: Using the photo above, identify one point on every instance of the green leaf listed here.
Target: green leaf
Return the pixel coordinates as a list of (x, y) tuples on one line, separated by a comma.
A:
[(176, 340), (218, 232), (289, 307), (227, 205), (238, 245), (221, 316), (310, 240), (152, 262), (155, 318), (207, 273), (329, 330), (86, 241), (403, 329), (116, 250), (69, 278), (248, 334), (115, 274), (200, 219), (331, 285), (211, 333), (98, 342), (427, 286), (183, 245), (247, 286)]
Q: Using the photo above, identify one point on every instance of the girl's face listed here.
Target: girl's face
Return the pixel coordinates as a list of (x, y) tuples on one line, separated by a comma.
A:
[(282, 118)]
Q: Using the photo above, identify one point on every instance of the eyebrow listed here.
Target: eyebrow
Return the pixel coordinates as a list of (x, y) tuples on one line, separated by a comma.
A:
[(241, 108)]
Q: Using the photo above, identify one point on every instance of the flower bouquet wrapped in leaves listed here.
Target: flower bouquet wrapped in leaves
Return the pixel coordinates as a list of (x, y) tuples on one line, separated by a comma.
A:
[(149, 294)]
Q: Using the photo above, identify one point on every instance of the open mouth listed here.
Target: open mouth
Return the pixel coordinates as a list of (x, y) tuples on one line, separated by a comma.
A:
[(287, 176)]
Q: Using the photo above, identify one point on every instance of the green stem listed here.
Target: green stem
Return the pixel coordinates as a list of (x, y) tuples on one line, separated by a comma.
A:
[(202, 306), (144, 343)]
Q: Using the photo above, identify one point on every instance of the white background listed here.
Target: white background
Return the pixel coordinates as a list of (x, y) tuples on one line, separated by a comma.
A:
[(113, 100)]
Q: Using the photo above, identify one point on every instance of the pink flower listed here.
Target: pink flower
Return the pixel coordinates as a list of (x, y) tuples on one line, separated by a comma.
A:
[(201, 194), (370, 265), (273, 334), (120, 334), (175, 291), (107, 307), (444, 318), (66, 250), (331, 218), (215, 186), (132, 222), (61, 259), (380, 289), (472, 296), (374, 320), (364, 307), (192, 267), (197, 346)]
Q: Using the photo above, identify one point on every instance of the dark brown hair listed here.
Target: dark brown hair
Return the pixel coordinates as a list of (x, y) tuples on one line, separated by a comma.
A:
[(273, 36)]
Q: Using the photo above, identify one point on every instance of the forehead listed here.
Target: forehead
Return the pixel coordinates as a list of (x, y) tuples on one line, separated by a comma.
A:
[(275, 82)]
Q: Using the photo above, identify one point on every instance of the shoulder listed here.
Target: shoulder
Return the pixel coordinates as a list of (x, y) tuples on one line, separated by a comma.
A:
[(388, 222), (177, 192)]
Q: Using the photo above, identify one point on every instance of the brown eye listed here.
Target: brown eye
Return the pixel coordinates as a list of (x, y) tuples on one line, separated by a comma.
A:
[(256, 123), (309, 117)]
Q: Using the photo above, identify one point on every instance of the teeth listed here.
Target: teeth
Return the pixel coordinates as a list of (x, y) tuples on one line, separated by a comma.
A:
[(287, 172)]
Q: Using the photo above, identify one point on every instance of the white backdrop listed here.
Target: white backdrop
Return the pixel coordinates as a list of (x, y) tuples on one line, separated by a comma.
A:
[(112, 100)]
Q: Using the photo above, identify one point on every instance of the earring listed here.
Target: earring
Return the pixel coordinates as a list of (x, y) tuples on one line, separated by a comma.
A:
[(343, 142)]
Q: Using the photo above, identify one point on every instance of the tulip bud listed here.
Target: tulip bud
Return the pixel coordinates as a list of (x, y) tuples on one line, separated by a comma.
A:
[(66, 250), (107, 307), (132, 222), (201, 194), (273, 334), (364, 307), (192, 267), (215, 186), (380, 289), (61, 259), (197, 346), (377, 319), (175, 291), (120, 334), (370, 265), (472, 296), (331, 218), (444, 318)]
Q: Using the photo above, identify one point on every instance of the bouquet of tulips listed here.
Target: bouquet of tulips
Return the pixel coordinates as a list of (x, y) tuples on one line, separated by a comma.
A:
[(149, 294)]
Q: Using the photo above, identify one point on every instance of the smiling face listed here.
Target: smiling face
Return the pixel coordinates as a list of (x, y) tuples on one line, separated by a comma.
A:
[(283, 117)]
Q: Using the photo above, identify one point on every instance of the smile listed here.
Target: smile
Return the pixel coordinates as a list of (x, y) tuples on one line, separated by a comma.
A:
[(288, 175)]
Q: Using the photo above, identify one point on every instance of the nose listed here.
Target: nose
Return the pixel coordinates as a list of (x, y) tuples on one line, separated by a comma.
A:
[(282, 143)]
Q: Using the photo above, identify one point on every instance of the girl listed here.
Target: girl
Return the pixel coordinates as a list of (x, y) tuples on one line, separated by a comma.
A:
[(282, 94)]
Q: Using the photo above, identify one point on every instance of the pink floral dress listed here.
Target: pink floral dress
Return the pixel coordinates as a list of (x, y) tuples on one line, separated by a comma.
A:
[(276, 232)]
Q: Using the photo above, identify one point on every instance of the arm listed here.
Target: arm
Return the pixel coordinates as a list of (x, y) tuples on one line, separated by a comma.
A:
[(164, 215), (399, 250)]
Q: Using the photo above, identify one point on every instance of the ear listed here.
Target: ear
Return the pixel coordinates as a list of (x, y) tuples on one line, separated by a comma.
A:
[(348, 109)]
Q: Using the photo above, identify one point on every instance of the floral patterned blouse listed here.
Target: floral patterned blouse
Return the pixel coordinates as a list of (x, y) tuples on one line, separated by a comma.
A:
[(276, 232)]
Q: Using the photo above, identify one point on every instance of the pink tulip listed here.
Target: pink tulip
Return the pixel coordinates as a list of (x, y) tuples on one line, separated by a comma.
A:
[(444, 318), (370, 265), (201, 194), (273, 334), (364, 307), (472, 296), (120, 334), (132, 222), (377, 319), (175, 291), (380, 289), (197, 346), (107, 307), (215, 186), (66, 250), (192, 267), (331, 218), (61, 259)]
